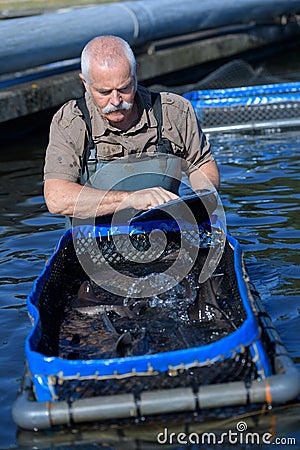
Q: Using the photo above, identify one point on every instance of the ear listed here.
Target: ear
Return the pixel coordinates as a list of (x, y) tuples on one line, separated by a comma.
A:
[(83, 80)]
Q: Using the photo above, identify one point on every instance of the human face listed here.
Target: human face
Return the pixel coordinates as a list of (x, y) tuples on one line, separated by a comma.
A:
[(112, 90)]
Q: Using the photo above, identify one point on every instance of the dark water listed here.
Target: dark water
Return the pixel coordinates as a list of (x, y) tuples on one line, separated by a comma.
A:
[(261, 195)]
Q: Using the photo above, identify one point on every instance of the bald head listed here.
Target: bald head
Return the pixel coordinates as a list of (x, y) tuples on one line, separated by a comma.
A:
[(106, 52)]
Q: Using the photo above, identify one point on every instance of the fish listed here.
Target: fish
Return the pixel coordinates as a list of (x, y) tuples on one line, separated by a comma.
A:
[(88, 303), (123, 345), (205, 306), (123, 341), (142, 326), (188, 290)]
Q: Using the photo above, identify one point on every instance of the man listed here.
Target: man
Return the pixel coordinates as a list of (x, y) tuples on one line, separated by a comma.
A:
[(123, 125)]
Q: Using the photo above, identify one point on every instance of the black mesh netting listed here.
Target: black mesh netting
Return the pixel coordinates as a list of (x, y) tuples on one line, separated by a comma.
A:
[(235, 73), (239, 73), (240, 367), (187, 315), (245, 114)]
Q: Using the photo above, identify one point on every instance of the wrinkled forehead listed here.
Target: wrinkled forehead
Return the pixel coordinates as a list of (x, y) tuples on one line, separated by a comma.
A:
[(111, 78), (111, 70)]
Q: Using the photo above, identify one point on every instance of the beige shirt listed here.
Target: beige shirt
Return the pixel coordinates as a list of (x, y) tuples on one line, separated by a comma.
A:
[(68, 134)]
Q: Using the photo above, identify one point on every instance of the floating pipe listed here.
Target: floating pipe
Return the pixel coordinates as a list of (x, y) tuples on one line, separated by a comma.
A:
[(37, 40), (275, 389)]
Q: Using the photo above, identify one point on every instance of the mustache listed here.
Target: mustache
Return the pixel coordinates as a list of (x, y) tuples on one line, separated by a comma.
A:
[(122, 106)]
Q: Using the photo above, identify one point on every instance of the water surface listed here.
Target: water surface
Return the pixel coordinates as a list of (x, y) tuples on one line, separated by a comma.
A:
[(261, 196)]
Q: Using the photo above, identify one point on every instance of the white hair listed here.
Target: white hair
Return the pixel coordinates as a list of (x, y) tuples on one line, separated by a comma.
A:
[(106, 50)]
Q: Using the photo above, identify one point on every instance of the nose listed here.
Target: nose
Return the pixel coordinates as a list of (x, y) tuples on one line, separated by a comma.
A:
[(115, 98)]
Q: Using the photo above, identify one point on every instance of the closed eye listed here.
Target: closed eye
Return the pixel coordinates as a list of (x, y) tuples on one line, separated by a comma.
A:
[(123, 90)]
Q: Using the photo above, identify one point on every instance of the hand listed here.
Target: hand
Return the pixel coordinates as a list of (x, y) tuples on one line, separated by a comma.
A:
[(147, 198)]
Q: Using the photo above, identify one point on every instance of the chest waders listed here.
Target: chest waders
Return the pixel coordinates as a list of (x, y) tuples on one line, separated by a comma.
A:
[(132, 172)]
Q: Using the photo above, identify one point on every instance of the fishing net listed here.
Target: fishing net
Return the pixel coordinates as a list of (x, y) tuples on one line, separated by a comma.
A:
[(244, 115), (172, 325), (235, 73), (237, 96)]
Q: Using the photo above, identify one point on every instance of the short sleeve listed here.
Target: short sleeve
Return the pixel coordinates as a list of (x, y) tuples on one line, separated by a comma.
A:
[(66, 141)]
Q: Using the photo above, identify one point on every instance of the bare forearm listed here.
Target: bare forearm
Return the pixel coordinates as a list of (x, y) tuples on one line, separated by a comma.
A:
[(206, 175), (71, 199)]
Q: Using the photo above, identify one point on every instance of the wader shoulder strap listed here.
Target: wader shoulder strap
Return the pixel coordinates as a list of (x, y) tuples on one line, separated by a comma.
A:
[(162, 145), (90, 150)]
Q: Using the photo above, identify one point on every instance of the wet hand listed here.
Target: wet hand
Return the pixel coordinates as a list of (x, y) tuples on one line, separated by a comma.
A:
[(147, 198)]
